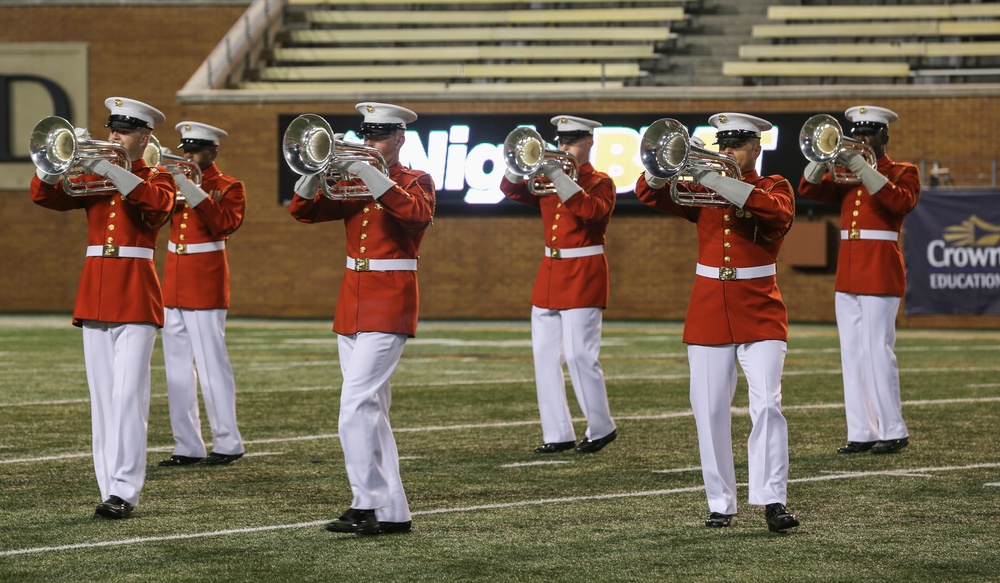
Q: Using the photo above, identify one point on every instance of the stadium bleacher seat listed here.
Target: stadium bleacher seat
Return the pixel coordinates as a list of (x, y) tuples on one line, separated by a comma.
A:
[(453, 71), (465, 52), (307, 4), (500, 17), (883, 12), (446, 43), (886, 41)]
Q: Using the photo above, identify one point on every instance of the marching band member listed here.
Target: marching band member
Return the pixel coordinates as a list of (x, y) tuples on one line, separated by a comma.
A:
[(736, 315), (870, 278), (570, 291), (118, 301), (196, 296), (376, 310)]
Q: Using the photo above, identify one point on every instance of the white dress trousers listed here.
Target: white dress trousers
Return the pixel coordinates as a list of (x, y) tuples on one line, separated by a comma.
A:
[(117, 357), (570, 337), (367, 360), (194, 349), (713, 385), (867, 326)]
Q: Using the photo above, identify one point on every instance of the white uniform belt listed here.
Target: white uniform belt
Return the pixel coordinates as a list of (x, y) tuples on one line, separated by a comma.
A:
[(870, 234), (192, 248), (119, 251), (574, 252), (732, 273), (365, 264)]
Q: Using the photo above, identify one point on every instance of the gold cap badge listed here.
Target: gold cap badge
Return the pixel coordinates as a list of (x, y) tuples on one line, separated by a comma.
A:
[(723, 119), (371, 109), (118, 103), (863, 110), (187, 127)]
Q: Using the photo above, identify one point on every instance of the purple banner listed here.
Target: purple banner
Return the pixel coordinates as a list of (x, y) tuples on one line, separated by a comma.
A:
[(952, 253)]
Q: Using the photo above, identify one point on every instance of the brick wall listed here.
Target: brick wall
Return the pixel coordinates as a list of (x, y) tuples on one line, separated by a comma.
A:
[(470, 267)]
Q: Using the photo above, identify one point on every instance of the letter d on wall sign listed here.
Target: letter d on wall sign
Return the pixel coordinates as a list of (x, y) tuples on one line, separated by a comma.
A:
[(37, 80)]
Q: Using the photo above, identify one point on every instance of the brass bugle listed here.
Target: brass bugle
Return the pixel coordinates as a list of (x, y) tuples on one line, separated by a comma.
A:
[(666, 152), (821, 140), (56, 149), (157, 155), (310, 147), (525, 153)]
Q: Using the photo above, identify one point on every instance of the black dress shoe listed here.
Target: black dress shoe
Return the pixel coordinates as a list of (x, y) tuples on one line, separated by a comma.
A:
[(179, 460), (394, 527), (555, 447), (718, 520), (596, 445), (114, 508), (779, 518), (219, 459), (856, 446), (891, 445), (361, 522)]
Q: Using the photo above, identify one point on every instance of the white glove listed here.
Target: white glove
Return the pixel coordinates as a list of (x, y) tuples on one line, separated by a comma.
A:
[(814, 172), (735, 191), (193, 195), (46, 178), (870, 177), (82, 133), (565, 186), (376, 182), (307, 186), (845, 156), (123, 180), (654, 182), (513, 178)]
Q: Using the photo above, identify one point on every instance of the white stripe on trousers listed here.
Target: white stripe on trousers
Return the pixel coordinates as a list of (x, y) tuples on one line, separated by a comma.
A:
[(713, 385), (367, 360), (194, 349), (867, 326), (118, 357), (572, 337)]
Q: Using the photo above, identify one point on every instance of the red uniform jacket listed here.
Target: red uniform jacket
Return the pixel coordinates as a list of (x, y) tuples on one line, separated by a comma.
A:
[(118, 290), (390, 228), (865, 266), (727, 312), (200, 281), (579, 282)]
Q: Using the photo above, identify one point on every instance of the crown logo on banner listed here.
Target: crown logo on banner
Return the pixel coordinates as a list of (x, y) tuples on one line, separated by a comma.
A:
[(973, 232)]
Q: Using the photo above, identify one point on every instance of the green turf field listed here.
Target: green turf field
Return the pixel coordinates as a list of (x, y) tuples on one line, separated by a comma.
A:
[(485, 506)]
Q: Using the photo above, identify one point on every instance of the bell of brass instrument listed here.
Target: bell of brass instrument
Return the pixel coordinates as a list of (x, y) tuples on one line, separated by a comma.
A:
[(525, 153), (56, 149), (666, 151), (310, 146), (822, 140), (157, 155)]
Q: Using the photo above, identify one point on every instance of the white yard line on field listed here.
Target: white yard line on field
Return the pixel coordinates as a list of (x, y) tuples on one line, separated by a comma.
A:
[(539, 463), (526, 380), (501, 424), (478, 508)]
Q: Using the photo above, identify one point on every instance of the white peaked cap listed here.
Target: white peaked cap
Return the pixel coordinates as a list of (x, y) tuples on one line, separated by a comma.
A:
[(135, 109), (375, 112), (193, 130), (739, 123), (871, 114), (570, 123)]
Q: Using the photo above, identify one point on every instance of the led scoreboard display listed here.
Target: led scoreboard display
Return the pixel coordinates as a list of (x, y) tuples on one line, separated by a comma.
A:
[(464, 153)]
